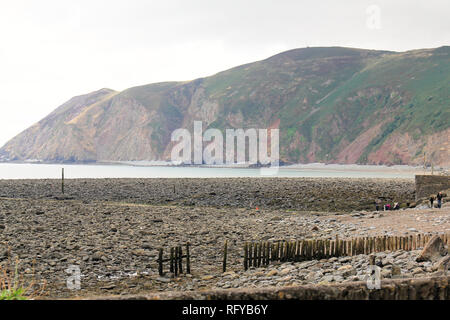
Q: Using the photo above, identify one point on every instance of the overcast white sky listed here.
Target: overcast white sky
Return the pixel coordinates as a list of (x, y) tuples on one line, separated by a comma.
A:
[(51, 50)]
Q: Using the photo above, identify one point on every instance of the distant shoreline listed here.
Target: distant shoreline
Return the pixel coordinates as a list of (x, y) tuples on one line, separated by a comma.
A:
[(27, 170), (298, 166)]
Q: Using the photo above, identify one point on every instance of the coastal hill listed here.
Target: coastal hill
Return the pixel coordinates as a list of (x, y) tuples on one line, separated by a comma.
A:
[(332, 105)]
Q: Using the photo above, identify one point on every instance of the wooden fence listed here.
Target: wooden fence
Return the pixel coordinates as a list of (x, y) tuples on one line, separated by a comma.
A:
[(176, 260), (261, 253)]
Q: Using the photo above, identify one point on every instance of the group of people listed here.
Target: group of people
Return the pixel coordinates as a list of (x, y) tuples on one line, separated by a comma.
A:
[(439, 197), (396, 205), (386, 206)]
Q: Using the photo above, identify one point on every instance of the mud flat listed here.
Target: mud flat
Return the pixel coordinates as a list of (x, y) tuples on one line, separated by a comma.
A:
[(115, 240)]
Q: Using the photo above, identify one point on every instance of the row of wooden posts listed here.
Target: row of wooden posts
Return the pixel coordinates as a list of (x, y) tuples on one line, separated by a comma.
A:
[(261, 253), (175, 259), (257, 254)]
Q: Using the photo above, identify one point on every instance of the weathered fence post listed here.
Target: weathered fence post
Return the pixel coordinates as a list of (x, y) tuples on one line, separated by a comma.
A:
[(255, 254), (62, 181), (171, 260), (160, 262), (337, 249), (225, 250), (245, 256), (259, 254), (180, 253), (188, 259), (176, 261)]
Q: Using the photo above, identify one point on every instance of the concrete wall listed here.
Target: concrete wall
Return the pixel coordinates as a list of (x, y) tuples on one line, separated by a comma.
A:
[(433, 288), (428, 184)]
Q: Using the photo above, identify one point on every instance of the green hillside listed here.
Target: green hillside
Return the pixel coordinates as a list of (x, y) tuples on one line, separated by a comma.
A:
[(334, 105)]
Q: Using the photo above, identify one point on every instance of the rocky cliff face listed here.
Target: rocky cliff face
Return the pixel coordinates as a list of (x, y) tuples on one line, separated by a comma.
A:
[(334, 105)]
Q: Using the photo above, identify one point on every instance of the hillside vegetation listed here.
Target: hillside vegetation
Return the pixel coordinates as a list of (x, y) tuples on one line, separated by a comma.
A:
[(333, 105)]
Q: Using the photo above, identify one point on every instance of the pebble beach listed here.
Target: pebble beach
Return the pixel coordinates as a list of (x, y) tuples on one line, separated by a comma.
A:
[(112, 229)]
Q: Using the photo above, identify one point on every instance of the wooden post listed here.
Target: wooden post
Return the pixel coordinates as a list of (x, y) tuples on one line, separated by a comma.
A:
[(289, 250), (160, 262), (259, 253), (180, 264), (171, 260), (176, 261), (225, 251), (245, 256), (322, 249), (250, 254), (281, 257), (314, 251), (263, 250), (255, 254), (272, 250), (337, 249), (332, 248), (280, 253), (188, 259), (62, 181), (277, 251)]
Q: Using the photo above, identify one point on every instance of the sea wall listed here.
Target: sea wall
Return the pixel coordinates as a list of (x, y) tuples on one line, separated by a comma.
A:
[(433, 288), (427, 185)]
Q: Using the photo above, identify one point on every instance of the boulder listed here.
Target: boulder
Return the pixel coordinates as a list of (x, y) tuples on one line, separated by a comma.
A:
[(396, 270), (347, 270), (433, 250), (442, 264)]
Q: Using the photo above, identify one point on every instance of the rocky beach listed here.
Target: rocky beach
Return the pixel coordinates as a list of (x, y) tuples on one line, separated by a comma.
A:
[(112, 229)]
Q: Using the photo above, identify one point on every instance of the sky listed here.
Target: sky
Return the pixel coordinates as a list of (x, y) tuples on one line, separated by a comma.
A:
[(52, 50)]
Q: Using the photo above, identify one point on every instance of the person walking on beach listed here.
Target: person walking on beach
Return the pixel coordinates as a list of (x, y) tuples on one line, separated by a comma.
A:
[(439, 199), (431, 202), (377, 204)]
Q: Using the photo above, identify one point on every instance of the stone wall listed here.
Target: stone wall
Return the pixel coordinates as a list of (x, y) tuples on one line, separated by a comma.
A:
[(433, 288), (427, 185)]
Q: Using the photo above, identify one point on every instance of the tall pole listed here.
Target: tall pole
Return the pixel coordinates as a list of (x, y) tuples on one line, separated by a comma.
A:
[(62, 181)]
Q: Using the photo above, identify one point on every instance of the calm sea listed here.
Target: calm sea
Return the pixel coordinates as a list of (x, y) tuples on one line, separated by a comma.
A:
[(53, 171)]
